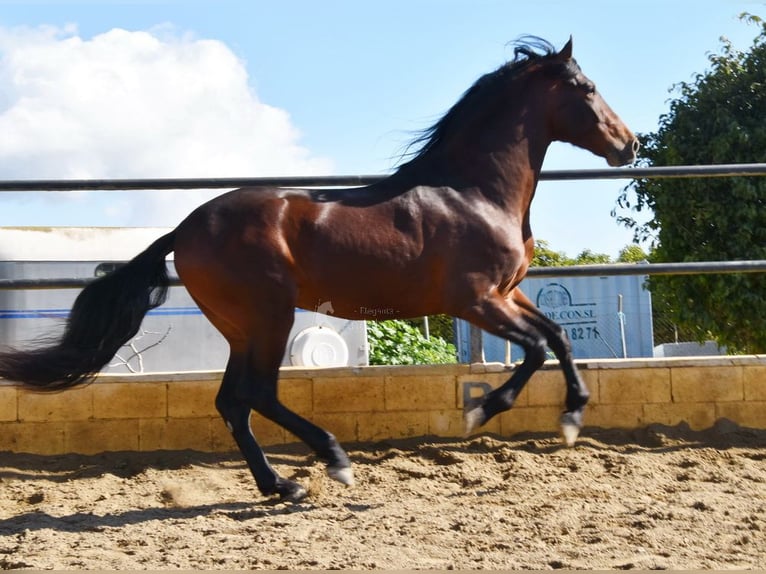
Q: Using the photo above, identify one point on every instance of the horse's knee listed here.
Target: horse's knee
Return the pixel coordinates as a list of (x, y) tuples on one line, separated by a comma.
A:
[(263, 401), (235, 414), (559, 341), (236, 400), (535, 353)]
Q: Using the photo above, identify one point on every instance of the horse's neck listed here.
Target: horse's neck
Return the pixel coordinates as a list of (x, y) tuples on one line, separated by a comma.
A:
[(505, 175)]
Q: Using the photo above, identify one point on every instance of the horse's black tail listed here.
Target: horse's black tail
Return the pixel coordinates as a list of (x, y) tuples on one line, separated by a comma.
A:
[(105, 316)]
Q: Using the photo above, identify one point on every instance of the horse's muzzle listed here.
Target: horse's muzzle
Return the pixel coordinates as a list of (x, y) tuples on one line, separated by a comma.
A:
[(624, 156)]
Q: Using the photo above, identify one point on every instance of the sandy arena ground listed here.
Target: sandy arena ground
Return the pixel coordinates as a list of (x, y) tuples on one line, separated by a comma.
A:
[(661, 497)]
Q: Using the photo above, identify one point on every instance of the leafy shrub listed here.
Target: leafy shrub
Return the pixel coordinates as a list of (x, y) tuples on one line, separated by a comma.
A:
[(399, 343)]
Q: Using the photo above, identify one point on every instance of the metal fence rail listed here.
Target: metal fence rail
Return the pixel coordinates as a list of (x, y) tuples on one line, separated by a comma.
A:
[(602, 270), (687, 171), (690, 268), (681, 171)]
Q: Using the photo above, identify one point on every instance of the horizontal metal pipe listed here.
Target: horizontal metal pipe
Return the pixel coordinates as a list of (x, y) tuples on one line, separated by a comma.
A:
[(723, 170), (687, 268), (679, 171), (691, 268), (187, 183)]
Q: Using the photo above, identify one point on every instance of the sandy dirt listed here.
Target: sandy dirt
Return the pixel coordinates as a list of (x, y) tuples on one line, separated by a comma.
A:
[(661, 497)]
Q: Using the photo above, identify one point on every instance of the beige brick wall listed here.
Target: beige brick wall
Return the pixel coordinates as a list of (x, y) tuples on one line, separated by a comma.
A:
[(9, 398), (177, 411)]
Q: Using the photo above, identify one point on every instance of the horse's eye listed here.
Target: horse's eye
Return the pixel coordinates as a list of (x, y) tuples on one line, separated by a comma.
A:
[(589, 88)]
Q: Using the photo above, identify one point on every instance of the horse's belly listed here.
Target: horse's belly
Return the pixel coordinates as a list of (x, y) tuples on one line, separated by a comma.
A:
[(367, 297)]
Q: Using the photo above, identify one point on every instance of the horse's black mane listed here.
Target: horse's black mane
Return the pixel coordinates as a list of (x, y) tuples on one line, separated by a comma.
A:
[(527, 50)]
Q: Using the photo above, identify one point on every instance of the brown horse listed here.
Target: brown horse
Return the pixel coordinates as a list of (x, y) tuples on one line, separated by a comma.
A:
[(448, 232)]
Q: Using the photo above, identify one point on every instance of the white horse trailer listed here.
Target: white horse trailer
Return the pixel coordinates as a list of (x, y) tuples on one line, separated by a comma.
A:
[(173, 337)]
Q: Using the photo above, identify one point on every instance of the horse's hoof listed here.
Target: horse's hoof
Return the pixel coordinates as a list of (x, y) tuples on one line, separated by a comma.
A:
[(342, 474), (571, 423), (570, 434), (473, 420), (289, 491)]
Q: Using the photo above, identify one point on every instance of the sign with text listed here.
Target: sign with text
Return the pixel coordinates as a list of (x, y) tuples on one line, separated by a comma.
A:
[(604, 317)]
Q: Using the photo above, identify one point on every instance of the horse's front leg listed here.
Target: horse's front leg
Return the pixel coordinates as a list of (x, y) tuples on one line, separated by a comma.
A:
[(577, 392), (502, 317)]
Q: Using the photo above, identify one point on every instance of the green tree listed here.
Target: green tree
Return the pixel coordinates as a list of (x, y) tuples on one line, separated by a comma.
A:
[(588, 257), (717, 118), (632, 254), (545, 256)]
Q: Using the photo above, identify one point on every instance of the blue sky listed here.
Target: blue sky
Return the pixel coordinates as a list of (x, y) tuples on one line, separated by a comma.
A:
[(246, 88)]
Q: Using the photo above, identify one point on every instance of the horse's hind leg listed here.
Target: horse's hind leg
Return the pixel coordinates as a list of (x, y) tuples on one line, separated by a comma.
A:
[(243, 389), (250, 383), (236, 414), (261, 394), (258, 387)]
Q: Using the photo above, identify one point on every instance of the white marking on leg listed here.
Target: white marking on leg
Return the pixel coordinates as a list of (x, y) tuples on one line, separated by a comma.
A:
[(343, 474), (570, 433), (473, 420), (570, 427)]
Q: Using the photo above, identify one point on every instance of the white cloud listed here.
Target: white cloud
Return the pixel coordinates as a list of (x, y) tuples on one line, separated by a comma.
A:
[(137, 104)]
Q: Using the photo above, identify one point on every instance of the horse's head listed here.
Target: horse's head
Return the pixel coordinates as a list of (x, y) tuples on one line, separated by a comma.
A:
[(542, 96), (577, 113)]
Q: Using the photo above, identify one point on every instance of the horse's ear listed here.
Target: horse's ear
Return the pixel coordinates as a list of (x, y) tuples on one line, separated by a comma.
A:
[(566, 51)]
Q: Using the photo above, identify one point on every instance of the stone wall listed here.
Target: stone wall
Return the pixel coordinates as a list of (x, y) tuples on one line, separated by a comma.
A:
[(175, 410)]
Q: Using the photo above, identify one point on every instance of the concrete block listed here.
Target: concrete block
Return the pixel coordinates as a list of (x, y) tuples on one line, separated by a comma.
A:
[(630, 415), (454, 370), (546, 388), (385, 425), (45, 438), (267, 432), (190, 399), (220, 437), (697, 415), (485, 368), (129, 400), (349, 395), (755, 383), (523, 399), (175, 434), (343, 425), (748, 414), (8, 403), (71, 405), (419, 393), (8, 437), (94, 436), (297, 395), (619, 386), (529, 419), (593, 382), (446, 423), (707, 384)]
